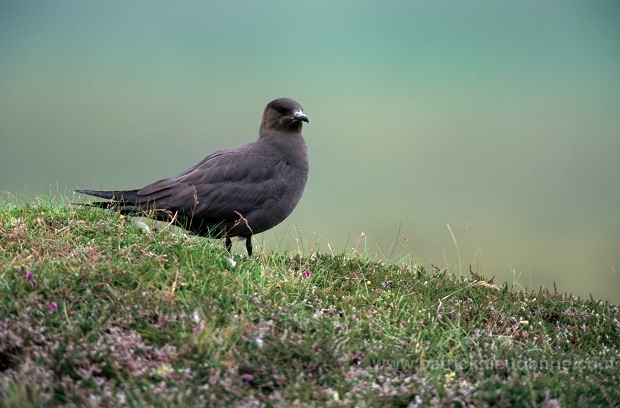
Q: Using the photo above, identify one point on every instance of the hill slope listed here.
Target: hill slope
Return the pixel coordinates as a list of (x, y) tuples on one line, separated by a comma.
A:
[(97, 310)]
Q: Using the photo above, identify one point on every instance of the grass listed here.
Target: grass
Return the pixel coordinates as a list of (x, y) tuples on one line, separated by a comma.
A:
[(95, 311)]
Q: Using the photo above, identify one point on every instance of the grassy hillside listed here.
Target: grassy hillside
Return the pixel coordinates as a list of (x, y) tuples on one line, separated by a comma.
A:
[(97, 310)]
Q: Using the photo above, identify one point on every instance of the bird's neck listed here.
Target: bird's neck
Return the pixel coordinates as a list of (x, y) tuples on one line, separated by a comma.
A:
[(290, 145), (291, 127)]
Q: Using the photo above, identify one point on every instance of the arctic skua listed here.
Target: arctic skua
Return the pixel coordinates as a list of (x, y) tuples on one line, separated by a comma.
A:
[(234, 192)]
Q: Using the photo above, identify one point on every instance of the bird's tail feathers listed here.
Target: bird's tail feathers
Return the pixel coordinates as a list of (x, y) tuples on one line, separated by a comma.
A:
[(125, 196), (124, 201)]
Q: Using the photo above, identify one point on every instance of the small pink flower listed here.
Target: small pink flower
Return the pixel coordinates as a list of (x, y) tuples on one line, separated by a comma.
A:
[(53, 306), (196, 329), (307, 273), (72, 313), (28, 274), (32, 282), (247, 378)]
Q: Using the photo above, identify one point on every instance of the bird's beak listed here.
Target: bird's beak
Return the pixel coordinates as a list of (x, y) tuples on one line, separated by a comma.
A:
[(301, 116)]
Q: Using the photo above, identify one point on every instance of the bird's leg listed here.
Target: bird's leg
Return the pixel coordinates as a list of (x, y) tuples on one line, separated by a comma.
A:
[(228, 244), (248, 245)]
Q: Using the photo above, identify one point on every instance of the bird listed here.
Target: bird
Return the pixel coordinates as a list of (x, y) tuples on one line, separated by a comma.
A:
[(232, 192)]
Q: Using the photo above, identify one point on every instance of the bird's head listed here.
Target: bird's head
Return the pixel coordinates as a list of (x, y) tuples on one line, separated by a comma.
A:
[(283, 115)]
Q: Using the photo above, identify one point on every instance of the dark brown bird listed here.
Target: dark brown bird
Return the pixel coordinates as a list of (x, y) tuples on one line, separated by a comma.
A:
[(235, 192)]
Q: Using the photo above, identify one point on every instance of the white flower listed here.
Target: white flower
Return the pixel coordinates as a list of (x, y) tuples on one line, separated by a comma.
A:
[(142, 226)]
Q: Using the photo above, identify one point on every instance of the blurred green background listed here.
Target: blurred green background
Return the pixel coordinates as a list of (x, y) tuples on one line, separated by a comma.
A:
[(500, 119)]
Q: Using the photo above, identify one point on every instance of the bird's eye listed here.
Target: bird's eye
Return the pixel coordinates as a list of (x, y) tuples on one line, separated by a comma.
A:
[(280, 109)]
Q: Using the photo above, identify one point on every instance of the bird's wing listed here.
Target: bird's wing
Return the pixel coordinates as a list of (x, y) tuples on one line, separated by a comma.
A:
[(223, 183)]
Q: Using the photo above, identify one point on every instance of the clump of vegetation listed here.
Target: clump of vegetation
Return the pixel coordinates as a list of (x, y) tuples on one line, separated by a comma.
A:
[(96, 310)]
